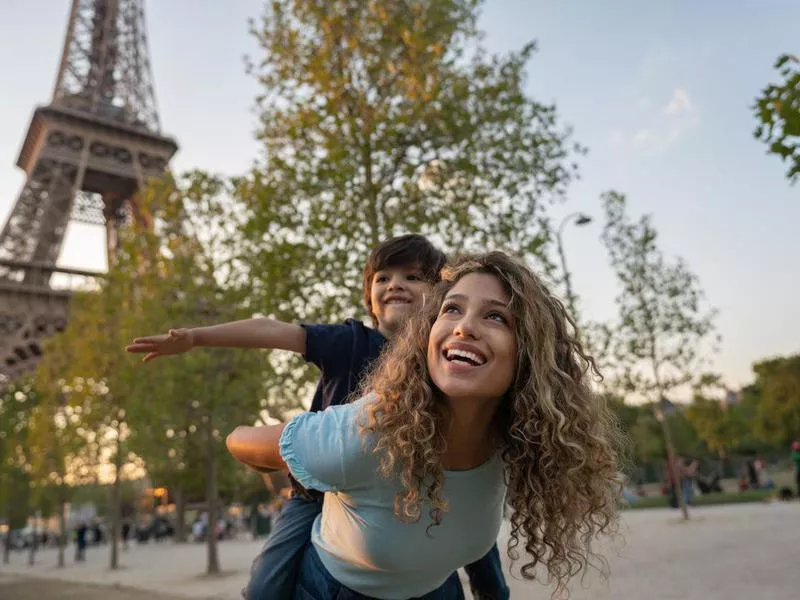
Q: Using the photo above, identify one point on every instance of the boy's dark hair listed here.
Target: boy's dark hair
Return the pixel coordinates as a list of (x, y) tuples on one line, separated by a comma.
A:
[(410, 250)]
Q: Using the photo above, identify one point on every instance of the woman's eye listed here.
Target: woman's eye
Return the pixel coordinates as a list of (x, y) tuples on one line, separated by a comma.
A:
[(497, 317), (449, 308), (413, 277)]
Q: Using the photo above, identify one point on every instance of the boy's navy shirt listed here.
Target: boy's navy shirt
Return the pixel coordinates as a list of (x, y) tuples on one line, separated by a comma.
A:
[(343, 354)]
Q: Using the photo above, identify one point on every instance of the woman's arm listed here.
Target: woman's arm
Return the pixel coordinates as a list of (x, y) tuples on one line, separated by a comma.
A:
[(257, 447)]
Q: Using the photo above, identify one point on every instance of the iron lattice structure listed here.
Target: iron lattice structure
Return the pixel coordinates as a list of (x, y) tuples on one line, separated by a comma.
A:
[(85, 156), (105, 70)]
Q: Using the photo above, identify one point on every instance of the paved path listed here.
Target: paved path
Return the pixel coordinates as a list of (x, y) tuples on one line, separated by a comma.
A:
[(19, 588), (734, 552)]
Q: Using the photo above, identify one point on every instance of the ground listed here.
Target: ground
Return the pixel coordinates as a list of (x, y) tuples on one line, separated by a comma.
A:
[(42, 589), (733, 552)]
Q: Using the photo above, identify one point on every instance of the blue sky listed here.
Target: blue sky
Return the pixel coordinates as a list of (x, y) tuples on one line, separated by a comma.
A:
[(659, 92)]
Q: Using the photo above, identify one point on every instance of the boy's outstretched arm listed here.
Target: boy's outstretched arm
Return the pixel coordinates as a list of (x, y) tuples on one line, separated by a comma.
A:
[(249, 333)]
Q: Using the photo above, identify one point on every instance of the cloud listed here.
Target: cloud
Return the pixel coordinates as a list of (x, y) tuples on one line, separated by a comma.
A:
[(660, 129), (679, 102)]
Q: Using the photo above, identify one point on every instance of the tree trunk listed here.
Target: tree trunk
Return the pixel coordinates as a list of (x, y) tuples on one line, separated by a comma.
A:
[(34, 543), (662, 418), (116, 501), (211, 499), (7, 549), (62, 532), (180, 516)]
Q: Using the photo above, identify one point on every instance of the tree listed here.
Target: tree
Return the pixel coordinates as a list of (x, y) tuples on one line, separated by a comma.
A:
[(84, 367), (182, 274), (662, 328), (50, 436), (381, 118), (172, 269), (777, 111), (721, 426), (778, 388), (17, 403)]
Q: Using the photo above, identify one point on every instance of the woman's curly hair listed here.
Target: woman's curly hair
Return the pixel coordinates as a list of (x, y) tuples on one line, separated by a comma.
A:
[(557, 438)]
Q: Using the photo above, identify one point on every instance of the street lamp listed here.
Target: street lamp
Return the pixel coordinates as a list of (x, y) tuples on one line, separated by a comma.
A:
[(580, 220)]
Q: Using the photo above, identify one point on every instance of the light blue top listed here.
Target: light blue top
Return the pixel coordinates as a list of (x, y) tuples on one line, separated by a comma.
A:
[(358, 537)]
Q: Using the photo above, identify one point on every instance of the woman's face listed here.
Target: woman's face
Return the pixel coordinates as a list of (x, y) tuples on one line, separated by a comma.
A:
[(472, 349)]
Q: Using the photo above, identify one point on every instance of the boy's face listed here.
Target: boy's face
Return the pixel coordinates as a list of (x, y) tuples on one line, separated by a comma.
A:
[(396, 293)]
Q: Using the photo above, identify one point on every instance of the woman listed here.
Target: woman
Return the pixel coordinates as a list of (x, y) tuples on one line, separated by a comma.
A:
[(483, 400)]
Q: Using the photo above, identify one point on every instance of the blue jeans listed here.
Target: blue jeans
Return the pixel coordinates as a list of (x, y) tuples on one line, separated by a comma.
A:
[(487, 579), (274, 571), (316, 583)]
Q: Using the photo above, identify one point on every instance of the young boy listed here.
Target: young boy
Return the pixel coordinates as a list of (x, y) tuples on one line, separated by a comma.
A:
[(398, 273)]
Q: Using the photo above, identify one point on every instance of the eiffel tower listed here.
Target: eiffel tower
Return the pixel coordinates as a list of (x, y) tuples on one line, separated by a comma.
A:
[(85, 154)]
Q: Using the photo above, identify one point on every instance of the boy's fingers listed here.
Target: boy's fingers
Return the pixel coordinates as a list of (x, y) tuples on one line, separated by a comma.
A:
[(152, 339), (139, 347)]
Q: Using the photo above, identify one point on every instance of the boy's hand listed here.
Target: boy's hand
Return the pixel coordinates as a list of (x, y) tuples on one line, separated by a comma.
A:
[(175, 342)]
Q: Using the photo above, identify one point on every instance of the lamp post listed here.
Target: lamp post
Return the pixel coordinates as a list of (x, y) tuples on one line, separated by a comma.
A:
[(580, 220)]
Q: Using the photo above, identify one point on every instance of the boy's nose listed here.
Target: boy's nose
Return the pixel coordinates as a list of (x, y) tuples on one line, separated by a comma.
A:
[(395, 282)]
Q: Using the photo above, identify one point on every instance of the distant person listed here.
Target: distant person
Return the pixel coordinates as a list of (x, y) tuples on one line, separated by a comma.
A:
[(126, 532), (765, 481), (688, 471), (80, 542), (752, 473), (796, 461), (743, 486)]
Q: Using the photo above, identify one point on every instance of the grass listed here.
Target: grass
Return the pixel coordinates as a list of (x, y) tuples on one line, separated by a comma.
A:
[(705, 500)]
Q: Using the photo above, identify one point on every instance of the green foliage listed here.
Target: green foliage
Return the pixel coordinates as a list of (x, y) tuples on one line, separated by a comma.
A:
[(644, 454), (722, 427), (777, 111), (172, 269), (17, 403), (184, 277), (777, 393), (379, 119), (662, 328)]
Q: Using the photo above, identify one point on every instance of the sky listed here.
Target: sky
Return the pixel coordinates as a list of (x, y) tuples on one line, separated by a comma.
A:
[(660, 93)]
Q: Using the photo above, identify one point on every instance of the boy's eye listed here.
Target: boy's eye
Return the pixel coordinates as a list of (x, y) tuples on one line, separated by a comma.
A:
[(381, 278), (413, 277)]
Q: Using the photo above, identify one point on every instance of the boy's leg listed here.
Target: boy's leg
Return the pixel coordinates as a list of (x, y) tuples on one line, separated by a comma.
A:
[(486, 577), (275, 569)]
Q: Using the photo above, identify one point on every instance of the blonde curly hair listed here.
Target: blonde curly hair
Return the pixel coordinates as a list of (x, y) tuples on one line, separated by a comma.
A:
[(556, 437)]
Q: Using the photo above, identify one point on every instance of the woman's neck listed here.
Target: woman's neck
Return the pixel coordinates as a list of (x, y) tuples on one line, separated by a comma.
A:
[(470, 437)]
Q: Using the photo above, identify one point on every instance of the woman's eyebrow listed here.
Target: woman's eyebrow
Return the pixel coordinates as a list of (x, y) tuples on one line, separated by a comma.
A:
[(464, 298)]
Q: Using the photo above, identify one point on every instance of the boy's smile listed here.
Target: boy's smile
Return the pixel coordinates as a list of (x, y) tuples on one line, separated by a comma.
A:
[(396, 292)]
